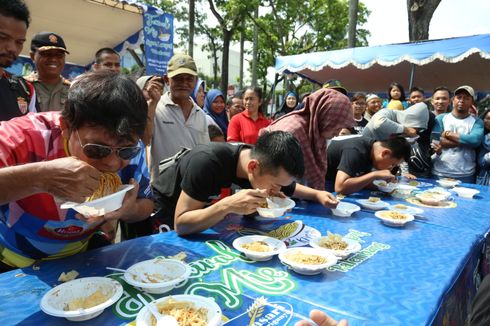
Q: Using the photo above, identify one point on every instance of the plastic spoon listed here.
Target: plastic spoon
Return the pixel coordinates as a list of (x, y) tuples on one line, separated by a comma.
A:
[(162, 320)]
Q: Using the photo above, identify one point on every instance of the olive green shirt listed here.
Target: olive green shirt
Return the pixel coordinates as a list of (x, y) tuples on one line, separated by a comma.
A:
[(50, 97)]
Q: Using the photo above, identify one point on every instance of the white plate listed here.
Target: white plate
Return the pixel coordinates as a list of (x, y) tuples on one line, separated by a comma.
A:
[(372, 205), (385, 186), (412, 210), (382, 215), (275, 244), (307, 269), (352, 247), (55, 300), (174, 270), (465, 192), (276, 207), (100, 206), (345, 209), (214, 311), (448, 183)]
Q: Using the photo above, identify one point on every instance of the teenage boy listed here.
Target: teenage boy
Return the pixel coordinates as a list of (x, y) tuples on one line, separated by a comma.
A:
[(351, 161)]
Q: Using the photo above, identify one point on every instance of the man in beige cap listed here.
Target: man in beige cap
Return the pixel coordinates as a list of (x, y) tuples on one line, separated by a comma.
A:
[(48, 52), (460, 136), (178, 121)]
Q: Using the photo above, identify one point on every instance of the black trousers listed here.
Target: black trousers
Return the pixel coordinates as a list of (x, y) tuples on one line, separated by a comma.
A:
[(480, 310)]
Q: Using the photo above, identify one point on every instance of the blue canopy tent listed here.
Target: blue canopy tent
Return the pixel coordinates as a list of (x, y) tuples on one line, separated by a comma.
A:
[(427, 64)]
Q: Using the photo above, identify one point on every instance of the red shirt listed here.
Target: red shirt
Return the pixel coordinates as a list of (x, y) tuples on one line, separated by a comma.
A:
[(243, 128)]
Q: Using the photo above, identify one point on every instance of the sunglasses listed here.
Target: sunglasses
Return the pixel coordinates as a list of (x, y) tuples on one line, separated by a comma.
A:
[(97, 152)]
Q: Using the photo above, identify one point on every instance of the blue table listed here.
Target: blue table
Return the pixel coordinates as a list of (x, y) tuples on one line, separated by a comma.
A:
[(425, 273)]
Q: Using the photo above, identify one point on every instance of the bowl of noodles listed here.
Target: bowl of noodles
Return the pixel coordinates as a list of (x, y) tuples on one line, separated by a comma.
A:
[(384, 186), (107, 198), (81, 299), (188, 310), (336, 244), (259, 247), (394, 218), (307, 261), (275, 207), (157, 275)]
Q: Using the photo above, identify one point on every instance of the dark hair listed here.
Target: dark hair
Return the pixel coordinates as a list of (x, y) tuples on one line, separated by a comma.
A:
[(278, 149), (442, 88), (416, 89), (100, 52), (16, 9), (107, 99), (357, 96), (258, 92), (400, 87), (214, 131), (399, 146), (482, 116)]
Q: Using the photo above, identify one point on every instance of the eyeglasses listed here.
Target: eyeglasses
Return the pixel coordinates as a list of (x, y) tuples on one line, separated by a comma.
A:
[(97, 152)]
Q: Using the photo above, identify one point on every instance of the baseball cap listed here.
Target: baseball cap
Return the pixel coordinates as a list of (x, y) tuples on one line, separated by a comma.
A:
[(141, 82), (372, 96), (335, 84), (181, 64), (468, 89), (48, 41)]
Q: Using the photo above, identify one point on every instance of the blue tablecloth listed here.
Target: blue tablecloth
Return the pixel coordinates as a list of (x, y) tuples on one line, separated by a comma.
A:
[(424, 273)]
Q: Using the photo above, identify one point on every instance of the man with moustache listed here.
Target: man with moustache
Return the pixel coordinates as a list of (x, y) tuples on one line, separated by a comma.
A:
[(48, 52), (461, 134), (17, 97), (373, 105)]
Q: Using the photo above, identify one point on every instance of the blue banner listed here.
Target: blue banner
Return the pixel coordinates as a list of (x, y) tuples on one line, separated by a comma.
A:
[(159, 40)]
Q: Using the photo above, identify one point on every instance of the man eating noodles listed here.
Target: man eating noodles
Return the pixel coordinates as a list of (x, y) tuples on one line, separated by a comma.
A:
[(52, 157)]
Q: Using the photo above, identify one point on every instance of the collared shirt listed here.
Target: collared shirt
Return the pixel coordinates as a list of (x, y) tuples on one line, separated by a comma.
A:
[(172, 131), (50, 97), (17, 97), (244, 129), (35, 227)]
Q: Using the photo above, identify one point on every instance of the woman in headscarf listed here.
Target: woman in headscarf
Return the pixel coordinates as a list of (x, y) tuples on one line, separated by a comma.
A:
[(483, 177), (289, 104), (214, 106), (199, 93), (325, 113)]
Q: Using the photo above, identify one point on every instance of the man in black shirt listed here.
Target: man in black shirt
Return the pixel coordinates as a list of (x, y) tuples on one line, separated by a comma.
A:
[(351, 161), (17, 96), (269, 168)]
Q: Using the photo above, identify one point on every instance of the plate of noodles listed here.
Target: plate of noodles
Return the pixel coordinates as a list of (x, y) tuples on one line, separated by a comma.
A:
[(394, 218), (107, 198), (188, 310), (81, 299), (336, 244), (259, 247), (307, 261)]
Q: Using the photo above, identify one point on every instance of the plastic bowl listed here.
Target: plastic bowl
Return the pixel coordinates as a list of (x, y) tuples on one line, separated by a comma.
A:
[(145, 275), (448, 183), (100, 206), (430, 198), (276, 245), (352, 247), (385, 186), (56, 300), (214, 311), (385, 217), (345, 209), (373, 205), (465, 192), (308, 269), (276, 207)]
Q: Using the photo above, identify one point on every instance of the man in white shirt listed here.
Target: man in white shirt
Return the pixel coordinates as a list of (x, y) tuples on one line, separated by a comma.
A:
[(178, 121)]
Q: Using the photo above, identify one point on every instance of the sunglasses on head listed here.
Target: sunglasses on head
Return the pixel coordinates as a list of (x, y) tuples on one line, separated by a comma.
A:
[(97, 152)]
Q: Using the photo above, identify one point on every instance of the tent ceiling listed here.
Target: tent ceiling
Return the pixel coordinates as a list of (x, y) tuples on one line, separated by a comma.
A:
[(372, 69), (85, 25)]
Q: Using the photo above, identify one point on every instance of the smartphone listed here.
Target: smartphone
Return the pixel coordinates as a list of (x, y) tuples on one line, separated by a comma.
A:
[(435, 135)]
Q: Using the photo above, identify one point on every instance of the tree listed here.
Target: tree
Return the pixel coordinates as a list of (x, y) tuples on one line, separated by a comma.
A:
[(353, 4), (419, 16), (191, 27)]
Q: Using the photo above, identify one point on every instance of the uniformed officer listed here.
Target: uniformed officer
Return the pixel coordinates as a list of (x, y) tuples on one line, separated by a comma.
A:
[(48, 52)]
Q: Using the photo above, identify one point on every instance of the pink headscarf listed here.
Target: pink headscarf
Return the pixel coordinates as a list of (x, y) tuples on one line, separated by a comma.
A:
[(326, 111)]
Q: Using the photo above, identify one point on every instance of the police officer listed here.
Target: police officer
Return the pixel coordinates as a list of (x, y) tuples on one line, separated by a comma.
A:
[(48, 52)]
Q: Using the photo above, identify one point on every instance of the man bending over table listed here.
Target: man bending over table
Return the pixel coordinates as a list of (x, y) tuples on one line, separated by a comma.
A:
[(354, 163), (183, 189), (52, 157)]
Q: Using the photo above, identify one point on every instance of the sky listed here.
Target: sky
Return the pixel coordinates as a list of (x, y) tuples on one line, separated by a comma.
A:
[(388, 21)]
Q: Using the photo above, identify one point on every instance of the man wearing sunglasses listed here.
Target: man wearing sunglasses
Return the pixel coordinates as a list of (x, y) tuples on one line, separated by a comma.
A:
[(51, 157)]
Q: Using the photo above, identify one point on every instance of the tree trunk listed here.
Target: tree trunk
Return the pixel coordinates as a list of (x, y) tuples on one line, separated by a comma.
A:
[(255, 49), (224, 62), (242, 49), (353, 4), (192, 16), (419, 16)]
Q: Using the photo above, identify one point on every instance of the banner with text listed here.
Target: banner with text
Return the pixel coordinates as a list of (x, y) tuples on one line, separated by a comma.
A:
[(159, 40)]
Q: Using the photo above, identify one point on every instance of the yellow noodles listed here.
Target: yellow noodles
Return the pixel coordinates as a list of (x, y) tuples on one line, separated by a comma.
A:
[(88, 302), (333, 241), (299, 257), (185, 312), (108, 184), (259, 246)]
